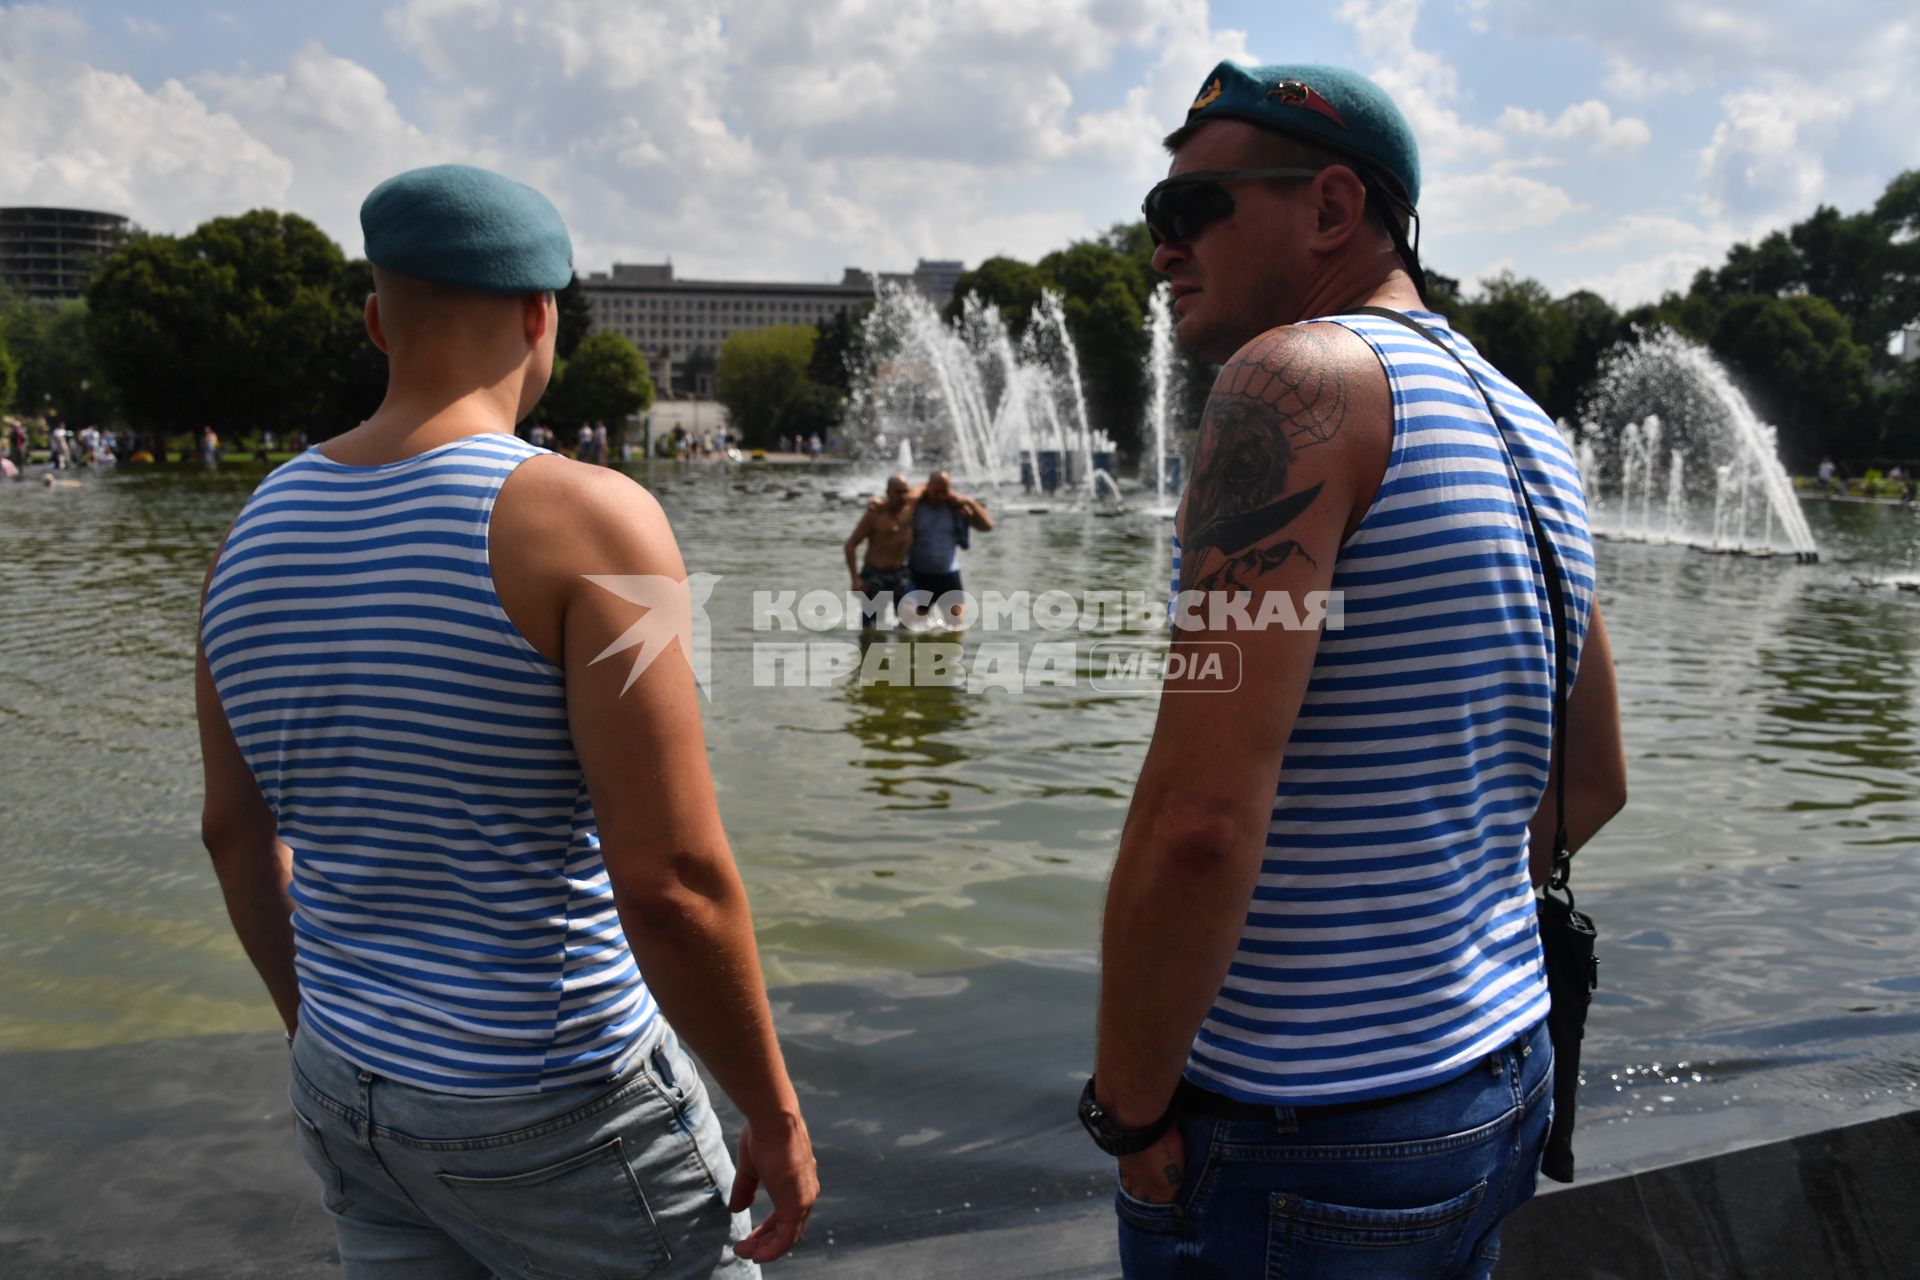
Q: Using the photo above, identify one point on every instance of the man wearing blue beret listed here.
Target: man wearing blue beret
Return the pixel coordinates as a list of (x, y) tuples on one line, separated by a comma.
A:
[(1322, 1048), (481, 869)]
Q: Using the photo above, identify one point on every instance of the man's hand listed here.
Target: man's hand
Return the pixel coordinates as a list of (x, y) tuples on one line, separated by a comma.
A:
[(782, 1158), (1155, 1175)]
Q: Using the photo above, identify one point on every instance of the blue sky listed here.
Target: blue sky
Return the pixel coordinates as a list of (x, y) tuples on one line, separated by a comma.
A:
[(1616, 146)]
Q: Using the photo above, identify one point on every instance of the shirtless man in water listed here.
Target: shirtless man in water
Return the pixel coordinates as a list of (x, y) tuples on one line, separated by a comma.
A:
[(886, 527)]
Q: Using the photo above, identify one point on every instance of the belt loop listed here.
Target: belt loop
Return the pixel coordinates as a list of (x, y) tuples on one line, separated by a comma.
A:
[(1285, 1120)]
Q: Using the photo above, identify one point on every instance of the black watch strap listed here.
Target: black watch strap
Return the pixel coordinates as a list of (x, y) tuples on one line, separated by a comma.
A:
[(1109, 1136)]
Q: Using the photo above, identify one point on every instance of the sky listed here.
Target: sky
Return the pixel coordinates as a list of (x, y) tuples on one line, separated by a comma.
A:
[(1615, 146)]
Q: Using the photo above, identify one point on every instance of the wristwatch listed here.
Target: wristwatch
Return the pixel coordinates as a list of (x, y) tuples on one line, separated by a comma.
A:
[(1110, 1137)]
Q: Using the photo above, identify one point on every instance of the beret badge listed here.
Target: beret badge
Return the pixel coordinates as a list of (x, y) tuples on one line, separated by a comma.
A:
[(1298, 93)]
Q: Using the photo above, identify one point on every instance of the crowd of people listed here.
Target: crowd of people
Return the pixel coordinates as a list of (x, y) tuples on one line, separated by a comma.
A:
[(62, 447)]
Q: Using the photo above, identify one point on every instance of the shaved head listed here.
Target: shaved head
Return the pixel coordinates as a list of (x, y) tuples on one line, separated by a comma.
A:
[(456, 339), (409, 304)]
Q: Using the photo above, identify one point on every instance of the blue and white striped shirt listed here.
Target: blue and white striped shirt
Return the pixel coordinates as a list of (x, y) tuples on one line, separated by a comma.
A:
[(1391, 939), (454, 925)]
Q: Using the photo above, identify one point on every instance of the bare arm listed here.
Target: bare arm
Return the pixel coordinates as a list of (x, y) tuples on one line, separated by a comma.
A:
[(1277, 476), (1596, 756), (858, 539), (974, 512), (242, 837), (643, 753)]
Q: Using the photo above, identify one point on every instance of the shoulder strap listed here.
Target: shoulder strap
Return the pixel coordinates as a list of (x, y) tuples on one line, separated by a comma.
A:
[(1556, 599)]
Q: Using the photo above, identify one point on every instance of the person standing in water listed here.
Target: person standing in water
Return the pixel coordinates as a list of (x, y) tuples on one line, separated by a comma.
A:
[(886, 530), (941, 521)]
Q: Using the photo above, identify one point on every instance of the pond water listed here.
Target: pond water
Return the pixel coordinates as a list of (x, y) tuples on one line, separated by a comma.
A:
[(927, 863)]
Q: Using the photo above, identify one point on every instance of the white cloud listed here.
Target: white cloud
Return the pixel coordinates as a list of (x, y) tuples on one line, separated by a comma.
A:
[(1423, 85), (1706, 41), (750, 136), (335, 124), (1646, 280), (1764, 160), (79, 136), (1627, 79), (144, 28), (1492, 201), (1644, 231), (1589, 122)]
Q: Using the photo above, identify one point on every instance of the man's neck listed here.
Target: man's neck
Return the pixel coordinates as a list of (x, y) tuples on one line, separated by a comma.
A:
[(1341, 292), (415, 417)]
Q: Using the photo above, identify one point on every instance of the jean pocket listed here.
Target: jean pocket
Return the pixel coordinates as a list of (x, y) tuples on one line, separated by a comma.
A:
[(583, 1218), (313, 1149), (1346, 1242)]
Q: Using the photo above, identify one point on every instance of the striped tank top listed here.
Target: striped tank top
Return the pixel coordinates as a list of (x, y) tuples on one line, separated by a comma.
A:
[(1391, 940), (454, 925)]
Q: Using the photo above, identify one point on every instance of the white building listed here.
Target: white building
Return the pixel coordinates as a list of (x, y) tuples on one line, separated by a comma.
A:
[(680, 324)]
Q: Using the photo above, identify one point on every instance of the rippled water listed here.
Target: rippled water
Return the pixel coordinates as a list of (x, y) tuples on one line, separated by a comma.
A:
[(927, 864)]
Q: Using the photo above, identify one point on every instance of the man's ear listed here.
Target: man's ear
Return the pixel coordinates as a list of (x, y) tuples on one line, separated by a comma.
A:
[(374, 328), (1340, 204), (541, 312)]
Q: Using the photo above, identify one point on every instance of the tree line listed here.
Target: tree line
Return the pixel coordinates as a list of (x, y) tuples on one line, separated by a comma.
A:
[(252, 324), (1802, 319)]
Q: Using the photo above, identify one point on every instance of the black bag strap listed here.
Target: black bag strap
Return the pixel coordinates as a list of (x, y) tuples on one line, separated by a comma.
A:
[(1556, 601)]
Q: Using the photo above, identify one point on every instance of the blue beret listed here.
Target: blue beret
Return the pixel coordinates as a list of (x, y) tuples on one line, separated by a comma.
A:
[(1329, 107), (467, 228)]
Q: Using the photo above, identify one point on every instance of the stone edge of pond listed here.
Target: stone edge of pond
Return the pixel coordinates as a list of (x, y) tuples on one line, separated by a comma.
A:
[(173, 1160)]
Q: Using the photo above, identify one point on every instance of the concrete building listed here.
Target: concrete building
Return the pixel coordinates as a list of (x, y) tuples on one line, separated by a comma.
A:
[(51, 253), (680, 324)]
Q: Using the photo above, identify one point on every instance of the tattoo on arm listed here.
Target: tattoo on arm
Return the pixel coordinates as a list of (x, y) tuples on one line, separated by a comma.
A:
[(1268, 405)]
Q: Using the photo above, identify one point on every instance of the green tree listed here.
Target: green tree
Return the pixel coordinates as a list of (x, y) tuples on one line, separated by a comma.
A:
[(840, 351), (813, 406), (759, 371), (58, 372), (1772, 266), (1008, 283), (1596, 328), (1846, 261), (9, 377), (1799, 363), (353, 376), (606, 381), (1105, 302), (1517, 327), (576, 319), (1900, 412), (233, 325), (1443, 295)]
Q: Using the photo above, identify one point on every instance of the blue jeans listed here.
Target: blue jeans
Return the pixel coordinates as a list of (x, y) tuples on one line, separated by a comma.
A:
[(624, 1178), (1407, 1188)]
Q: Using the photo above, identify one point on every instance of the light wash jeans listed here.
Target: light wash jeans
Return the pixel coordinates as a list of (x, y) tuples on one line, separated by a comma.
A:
[(1409, 1188), (610, 1181)]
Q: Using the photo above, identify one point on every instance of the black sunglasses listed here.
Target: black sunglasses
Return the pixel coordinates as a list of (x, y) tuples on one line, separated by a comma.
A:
[(1181, 207)]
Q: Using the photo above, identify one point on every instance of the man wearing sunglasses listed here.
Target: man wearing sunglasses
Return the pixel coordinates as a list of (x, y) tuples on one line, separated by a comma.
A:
[(1322, 1048)]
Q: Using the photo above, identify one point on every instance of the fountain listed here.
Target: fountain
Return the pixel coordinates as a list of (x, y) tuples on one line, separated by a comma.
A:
[(969, 397), (1162, 372), (1686, 402)]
